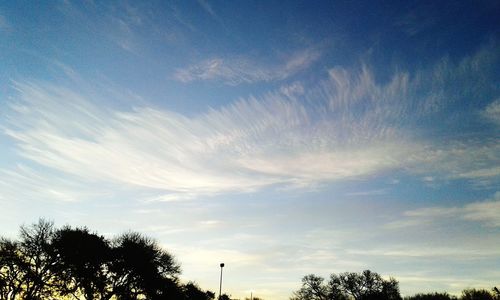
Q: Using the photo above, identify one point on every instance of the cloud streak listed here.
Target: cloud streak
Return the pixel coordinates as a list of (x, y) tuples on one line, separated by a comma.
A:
[(348, 126), (234, 71), (4, 25), (485, 212), (492, 111)]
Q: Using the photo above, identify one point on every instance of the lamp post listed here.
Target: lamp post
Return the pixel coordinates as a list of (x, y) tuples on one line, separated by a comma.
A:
[(220, 284)]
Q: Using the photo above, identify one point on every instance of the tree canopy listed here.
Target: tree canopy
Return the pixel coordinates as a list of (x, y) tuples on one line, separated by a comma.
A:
[(75, 263), (467, 294), (366, 285), (369, 285)]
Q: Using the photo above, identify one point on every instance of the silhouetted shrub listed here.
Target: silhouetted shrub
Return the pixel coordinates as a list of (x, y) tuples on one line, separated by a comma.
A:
[(431, 296), (473, 294)]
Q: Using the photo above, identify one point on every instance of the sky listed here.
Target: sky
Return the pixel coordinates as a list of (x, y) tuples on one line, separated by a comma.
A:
[(282, 138)]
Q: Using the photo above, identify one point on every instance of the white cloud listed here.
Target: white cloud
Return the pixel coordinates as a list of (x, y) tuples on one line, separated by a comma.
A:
[(492, 111), (25, 183), (234, 71), (122, 21), (470, 159), (485, 212), (348, 126), (368, 193), (241, 147), (208, 8), (427, 282), (4, 25), (413, 251)]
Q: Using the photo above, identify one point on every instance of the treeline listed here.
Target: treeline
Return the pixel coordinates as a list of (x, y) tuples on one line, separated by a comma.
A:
[(75, 263), (467, 294), (369, 285)]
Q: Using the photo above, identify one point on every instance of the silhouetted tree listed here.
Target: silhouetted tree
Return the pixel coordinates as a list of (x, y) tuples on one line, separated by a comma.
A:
[(26, 265), (75, 263), (473, 294), (467, 294), (81, 263), (496, 292), (367, 285), (312, 289), (140, 268), (224, 297), (360, 286), (192, 292), (11, 272)]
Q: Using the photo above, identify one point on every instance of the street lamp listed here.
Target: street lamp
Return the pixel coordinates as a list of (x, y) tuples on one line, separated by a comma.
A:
[(220, 285)]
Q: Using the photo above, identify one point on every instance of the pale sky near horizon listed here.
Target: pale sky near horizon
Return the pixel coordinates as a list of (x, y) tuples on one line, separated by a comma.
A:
[(282, 138)]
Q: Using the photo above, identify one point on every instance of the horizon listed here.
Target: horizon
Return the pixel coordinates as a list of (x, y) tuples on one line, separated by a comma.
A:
[(282, 139)]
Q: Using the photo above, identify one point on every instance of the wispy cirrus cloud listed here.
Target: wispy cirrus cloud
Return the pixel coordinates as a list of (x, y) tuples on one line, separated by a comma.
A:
[(421, 252), (33, 184), (242, 147), (485, 212), (121, 21), (4, 24), (208, 8), (234, 71), (127, 24), (347, 126), (492, 111), (416, 22)]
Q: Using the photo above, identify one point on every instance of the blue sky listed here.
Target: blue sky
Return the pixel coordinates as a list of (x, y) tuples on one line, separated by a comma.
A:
[(282, 138)]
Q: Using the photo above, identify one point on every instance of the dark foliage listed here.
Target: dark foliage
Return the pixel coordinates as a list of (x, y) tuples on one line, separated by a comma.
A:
[(141, 268), (74, 263), (496, 292), (81, 259), (224, 297), (467, 294), (473, 294), (10, 275), (431, 296), (367, 285), (25, 264), (192, 292)]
